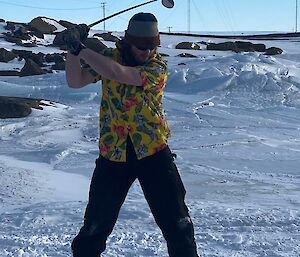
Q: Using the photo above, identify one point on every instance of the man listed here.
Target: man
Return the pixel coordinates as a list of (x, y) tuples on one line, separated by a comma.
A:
[(133, 137)]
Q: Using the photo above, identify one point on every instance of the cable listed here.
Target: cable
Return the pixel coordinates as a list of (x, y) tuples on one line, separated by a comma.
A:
[(56, 9)]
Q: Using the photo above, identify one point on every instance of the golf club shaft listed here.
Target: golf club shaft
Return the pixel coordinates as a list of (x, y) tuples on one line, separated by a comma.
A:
[(115, 14)]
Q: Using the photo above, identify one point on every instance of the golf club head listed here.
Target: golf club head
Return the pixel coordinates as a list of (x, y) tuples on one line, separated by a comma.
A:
[(168, 3)]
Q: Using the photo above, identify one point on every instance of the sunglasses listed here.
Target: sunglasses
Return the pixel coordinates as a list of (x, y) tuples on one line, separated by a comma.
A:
[(145, 48)]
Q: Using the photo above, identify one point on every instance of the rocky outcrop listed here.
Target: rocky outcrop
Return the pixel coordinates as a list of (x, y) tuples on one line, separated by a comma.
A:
[(31, 68), (237, 46), (18, 107), (66, 24), (9, 73), (273, 51), (6, 56), (94, 44), (43, 26), (188, 45), (107, 37), (187, 55), (11, 108)]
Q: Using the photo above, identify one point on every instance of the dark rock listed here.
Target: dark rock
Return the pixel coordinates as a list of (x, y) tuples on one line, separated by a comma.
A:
[(37, 58), (27, 44), (58, 40), (188, 45), (19, 107), (57, 58), (12, 39), (164, 55), (244, 46), (59, 66), (31, 68), (107, 37), (9, 73), (273, 51), (187, 55), (237, 46), (1, 20), (259, 47), (182, 63), (222, 46), (66, 24), (6, 56), (23, 54), (22, 33), (94, 44), (37, 33), (43, 26), (10, 26), (10, 108)]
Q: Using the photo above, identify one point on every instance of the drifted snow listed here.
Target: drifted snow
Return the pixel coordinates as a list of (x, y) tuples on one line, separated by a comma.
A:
[(236, 133)]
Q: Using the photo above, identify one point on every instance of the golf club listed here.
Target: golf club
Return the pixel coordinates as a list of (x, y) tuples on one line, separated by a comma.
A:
[(165, 3)]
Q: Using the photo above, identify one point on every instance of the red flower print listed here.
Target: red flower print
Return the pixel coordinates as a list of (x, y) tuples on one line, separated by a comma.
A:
[(104, 148), (132, 101), (120, 130)]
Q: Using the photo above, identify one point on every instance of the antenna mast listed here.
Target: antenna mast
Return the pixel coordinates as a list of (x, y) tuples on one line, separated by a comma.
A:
[(296, 27), (189, 16)]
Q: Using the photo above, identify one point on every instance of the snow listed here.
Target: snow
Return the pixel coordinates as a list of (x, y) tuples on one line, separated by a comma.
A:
[(236, 133)]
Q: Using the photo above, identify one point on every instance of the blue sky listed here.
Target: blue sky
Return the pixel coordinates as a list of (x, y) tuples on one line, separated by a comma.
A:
[(206, 15)]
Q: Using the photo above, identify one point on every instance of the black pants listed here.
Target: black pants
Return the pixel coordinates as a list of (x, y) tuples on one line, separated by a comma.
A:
[(163, 190)]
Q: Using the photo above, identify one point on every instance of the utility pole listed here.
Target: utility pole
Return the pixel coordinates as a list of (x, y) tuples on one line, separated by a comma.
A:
[(189, 16), (169, 28), (296, 27), (103, 4)]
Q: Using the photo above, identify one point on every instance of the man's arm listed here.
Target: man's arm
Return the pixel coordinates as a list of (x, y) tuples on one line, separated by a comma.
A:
[(111, 69), (77, 77)]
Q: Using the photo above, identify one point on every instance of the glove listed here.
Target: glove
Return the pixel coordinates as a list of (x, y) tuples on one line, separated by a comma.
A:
[(72, 38)]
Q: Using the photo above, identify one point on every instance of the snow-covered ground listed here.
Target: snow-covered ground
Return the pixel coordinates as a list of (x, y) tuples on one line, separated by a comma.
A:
[(236, 132)]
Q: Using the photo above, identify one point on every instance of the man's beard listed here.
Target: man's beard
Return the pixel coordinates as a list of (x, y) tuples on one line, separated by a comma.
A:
[(128, 58)]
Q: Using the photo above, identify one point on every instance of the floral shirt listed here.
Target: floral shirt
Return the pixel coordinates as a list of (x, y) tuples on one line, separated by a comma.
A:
[(134, 111)]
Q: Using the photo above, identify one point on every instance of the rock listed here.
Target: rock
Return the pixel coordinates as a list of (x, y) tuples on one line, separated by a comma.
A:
[(23, 54), (10, 26), (222, 46), (37, 58), (31, 68), (6, 56), (37, 33), (58, 40), (94, 44), (19, 107), (273, 51), (12, 39), (164, 55), (43, 26), (66, 24), (107, 37), (28, 44), (237, 46), (9, 73), (187, 55), (55, 57), (59, 66), (22, 33), (1, 20), (10, 108), (188, 45)]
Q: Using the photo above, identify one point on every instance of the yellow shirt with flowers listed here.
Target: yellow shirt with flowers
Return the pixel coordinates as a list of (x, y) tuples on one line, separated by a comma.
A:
[(134, 111)]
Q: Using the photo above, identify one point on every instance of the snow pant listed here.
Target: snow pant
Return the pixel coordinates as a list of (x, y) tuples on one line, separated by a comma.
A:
[(163, 190)]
